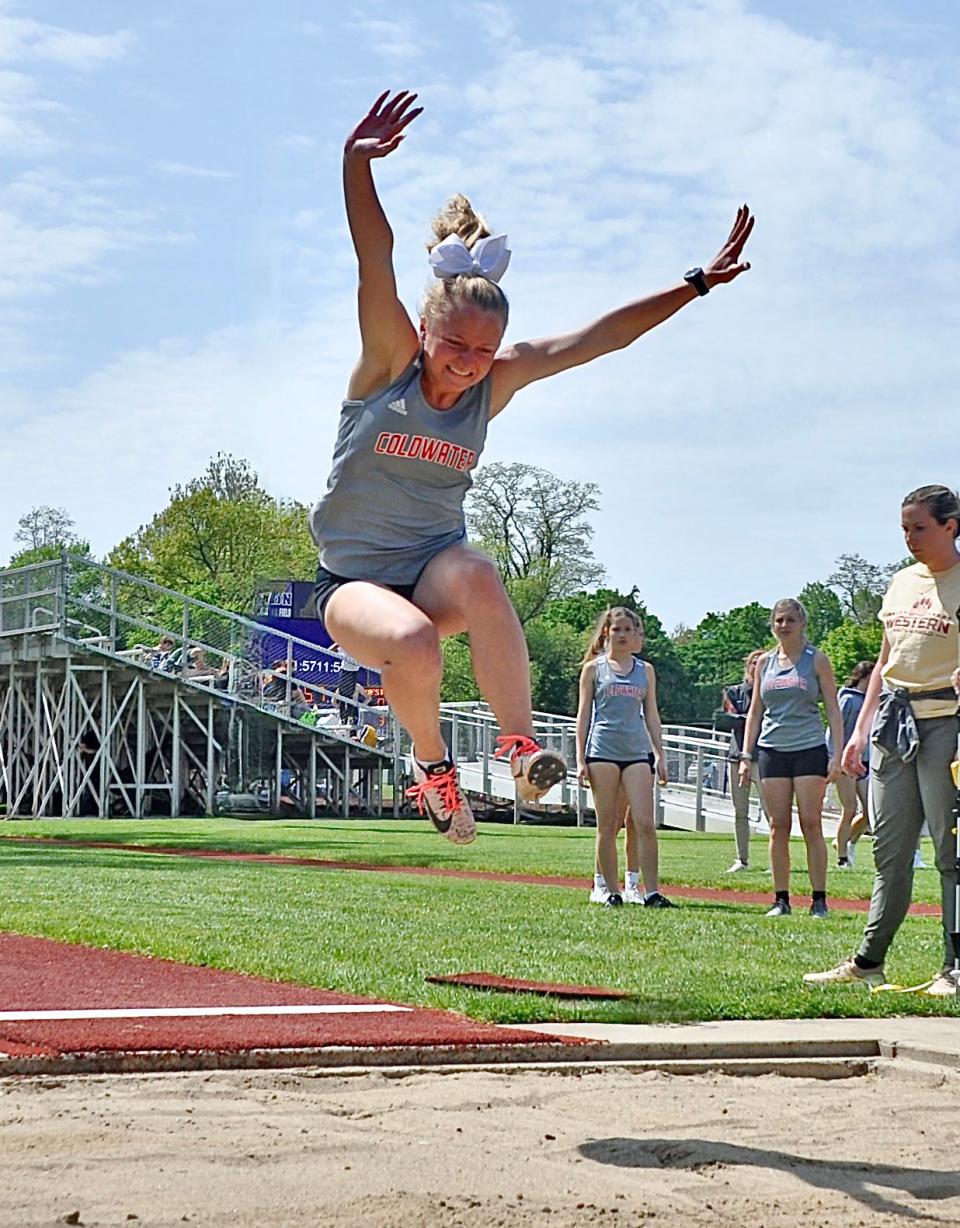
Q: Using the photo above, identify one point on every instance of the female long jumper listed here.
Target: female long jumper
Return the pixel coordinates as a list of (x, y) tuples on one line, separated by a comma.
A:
[(396, 573)]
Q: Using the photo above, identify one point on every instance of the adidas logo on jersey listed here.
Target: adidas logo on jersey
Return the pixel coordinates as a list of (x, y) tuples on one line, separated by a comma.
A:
[(398, 407)]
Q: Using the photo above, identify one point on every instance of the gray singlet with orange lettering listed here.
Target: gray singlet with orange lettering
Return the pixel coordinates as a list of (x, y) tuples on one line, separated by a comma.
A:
[(617, 727), (401, 470)]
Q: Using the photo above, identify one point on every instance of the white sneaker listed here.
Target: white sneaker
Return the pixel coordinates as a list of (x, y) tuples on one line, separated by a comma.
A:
[(944, 985), (738, 867), (599, 895), (437, 793), (847, 972), (633, 895), (535, 771)]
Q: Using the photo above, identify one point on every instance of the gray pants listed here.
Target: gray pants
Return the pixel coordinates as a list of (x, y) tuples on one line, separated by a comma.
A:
[(902, 796), (741, 807)]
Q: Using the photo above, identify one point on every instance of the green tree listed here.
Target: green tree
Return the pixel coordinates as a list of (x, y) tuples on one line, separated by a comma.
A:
[(861, 586), (48, 554), (44, 533), (581, 611), (555, 652), (459, 684), (535, 527), (849, 643), (824, 611), (714, 652), (44, 527), (219, 535)]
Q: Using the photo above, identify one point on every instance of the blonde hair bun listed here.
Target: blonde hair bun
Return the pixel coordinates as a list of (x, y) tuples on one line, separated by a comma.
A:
[(458, 217)]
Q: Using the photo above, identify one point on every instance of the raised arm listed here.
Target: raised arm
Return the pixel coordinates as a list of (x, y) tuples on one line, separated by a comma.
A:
[(528, 361), (388, 338)]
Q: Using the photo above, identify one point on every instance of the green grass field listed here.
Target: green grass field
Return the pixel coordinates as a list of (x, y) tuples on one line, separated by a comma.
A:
[(381, 934)]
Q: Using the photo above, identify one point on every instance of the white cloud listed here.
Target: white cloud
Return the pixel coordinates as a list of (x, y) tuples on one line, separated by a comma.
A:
[(298, 140), (56, 231), (24, 39), (400, 41), (187, 171)]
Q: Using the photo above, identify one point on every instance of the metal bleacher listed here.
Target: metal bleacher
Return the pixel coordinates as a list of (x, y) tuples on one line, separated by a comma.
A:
[(119, 696)]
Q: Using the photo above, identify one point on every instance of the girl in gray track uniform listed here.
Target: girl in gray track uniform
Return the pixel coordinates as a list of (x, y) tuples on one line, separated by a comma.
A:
[(396, 572), (793, 760), (619, 747)]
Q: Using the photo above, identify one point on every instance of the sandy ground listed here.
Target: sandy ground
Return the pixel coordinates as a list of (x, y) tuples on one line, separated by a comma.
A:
[(480, 1150)]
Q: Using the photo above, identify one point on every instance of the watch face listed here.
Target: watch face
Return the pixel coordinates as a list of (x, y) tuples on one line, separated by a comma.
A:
[(692, 273)]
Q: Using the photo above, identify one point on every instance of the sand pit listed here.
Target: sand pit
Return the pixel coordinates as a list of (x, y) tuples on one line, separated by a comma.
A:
[(476, 1150)]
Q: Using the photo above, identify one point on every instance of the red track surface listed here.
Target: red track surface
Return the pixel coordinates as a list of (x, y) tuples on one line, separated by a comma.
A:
[(716, 894), (37, 974)]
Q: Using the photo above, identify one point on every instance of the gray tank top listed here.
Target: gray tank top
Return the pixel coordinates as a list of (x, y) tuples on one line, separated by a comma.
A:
[(401, 470), (791, 719), (617, 727)]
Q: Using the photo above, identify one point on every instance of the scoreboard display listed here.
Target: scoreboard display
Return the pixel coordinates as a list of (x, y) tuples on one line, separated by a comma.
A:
[(288, 606)]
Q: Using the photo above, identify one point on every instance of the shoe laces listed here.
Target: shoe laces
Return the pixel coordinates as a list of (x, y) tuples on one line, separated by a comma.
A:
[(444, 784), (514, 744)]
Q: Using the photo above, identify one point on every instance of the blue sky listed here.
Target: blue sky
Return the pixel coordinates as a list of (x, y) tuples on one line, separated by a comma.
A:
[(175, 276)]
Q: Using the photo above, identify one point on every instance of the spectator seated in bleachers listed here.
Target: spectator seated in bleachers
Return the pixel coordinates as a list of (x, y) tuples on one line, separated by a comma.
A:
[(198, 668), (274, 690), (157, 656)]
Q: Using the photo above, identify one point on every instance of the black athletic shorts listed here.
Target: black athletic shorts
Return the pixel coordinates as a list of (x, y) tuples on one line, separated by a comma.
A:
[(788, 764), (623, 764), (328, 583)]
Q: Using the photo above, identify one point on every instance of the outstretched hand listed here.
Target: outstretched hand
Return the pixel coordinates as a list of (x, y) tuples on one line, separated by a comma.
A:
[(381, 129), (727, 265)]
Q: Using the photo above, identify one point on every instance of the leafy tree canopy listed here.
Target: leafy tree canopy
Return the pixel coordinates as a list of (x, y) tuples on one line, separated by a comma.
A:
[(535, 527), (849, 643), (861, 586), (824, 611), (219, 535)]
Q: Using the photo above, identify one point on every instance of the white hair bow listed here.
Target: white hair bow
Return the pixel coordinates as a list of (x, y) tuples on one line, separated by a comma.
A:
[(487, 258)]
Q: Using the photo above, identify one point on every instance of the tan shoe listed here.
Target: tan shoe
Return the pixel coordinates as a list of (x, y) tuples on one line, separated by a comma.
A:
[(944, 985), (438, 794), (535, 770), (847, 973)]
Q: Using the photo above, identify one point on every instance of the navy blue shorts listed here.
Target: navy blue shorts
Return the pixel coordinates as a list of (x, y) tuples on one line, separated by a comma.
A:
[(789, 764), (328, 583)]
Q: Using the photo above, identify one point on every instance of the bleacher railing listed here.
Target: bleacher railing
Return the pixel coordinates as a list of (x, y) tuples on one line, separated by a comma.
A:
[(136, 621), (140, 623)]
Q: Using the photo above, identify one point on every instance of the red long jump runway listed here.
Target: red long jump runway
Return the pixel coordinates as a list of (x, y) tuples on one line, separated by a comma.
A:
[(718, 895), (76, 1008)]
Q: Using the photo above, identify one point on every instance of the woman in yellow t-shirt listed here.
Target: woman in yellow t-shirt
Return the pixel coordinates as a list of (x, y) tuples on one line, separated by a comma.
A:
[(910, 715)]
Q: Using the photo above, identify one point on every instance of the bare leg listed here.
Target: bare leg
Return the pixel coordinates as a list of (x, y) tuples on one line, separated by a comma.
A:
[(387, 633), (847, 793), (778, 796), (810, 791), (862, 821), (461, 589), (631, 846), (623, 823), (605, 783), (638, 785)]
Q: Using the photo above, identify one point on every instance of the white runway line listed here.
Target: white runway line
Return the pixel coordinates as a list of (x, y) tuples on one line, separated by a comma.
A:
[(198, 1012)]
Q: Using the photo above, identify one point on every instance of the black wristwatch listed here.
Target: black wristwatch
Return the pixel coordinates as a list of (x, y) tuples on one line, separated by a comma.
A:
[(696, 279)]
